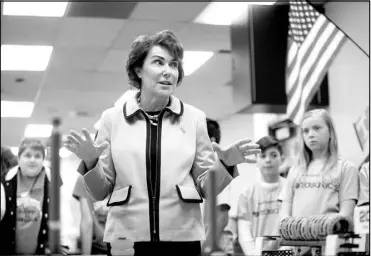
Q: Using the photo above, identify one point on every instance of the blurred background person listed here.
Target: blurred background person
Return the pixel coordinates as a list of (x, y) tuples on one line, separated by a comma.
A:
[(26, 187), (8, 161), (364, 179), (258, 207)]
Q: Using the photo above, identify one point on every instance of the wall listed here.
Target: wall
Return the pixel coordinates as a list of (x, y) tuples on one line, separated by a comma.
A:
[(234, 128), (349, 82)]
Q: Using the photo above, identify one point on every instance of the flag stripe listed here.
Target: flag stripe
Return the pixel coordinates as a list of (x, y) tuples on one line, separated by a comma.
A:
[(319, 73), (313, 43), (320, 54), (316, 31), (304, 53), (310, 89), (293, 78), (293, 49), (319, 45)]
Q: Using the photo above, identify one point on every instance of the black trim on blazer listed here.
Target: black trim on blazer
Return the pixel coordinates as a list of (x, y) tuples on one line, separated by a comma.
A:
[(154, 177), (148, 175), (158, 172), (364, 204), (132, 114), (165, 109), (174, 113), (153, 166), (122, 202), (188, 200)]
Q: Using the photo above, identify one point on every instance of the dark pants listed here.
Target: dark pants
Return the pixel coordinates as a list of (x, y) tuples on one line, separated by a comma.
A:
[(167, 248)]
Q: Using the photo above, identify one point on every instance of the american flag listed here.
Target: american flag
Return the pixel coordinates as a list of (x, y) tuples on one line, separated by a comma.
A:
[(313, 43)]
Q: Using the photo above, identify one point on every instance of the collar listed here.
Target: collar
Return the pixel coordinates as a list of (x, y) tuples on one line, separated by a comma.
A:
[(12, 172), (131, 107)]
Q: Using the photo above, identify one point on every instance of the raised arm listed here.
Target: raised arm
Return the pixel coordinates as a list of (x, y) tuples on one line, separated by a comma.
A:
[(207, 159), (96, 165)]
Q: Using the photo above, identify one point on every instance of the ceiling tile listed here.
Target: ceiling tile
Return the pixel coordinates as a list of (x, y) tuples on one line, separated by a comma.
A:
[(84, 81), (20, 91), (168, 11), (134, 28), (88, 32), (29, 30), (113, 10), (204, 37), (77, 58), (12, 131), (115, 61)]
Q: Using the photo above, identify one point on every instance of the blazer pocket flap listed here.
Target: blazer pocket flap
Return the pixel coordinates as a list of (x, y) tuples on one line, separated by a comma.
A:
[(189, 194), (119, 196)]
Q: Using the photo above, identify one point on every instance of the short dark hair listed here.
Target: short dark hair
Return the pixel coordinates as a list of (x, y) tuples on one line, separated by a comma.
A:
[(142, 45), (213, 129), (34, 144), (268, 142)]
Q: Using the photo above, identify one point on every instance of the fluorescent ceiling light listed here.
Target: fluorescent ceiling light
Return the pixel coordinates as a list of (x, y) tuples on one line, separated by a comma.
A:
[(16, 108), (38, 131), (25, 57), (14, 150), (223, 13), (193, 60), (46, 9)]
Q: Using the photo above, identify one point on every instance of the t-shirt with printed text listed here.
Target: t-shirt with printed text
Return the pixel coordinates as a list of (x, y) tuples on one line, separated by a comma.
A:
[(312, 193), (29, 214)]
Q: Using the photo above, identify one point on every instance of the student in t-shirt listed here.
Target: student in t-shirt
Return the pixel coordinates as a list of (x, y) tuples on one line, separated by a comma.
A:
[(258, 206), (364, 188), (320, 182), (26, 189)]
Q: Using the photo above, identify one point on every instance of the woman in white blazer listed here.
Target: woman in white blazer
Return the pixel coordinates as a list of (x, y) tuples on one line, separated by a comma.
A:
[(153, 156)]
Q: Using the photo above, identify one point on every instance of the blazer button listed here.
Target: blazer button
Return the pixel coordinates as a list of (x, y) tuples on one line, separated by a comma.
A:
[(46, 215), (44, 231), (11, 213), (41, 245), (7, 183)]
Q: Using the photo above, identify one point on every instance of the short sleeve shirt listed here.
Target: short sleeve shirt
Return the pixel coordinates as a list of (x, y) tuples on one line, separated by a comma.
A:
[(29, 214), (312, 193)]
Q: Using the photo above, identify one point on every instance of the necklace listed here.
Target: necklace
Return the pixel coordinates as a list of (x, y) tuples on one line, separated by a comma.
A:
[(25, 194), (153, 119)]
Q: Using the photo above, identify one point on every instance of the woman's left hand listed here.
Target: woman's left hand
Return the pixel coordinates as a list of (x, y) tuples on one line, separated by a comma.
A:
[(237, 152)]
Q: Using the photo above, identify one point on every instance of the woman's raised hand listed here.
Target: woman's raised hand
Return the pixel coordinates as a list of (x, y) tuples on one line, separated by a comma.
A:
[(237, 152), (84, 147)]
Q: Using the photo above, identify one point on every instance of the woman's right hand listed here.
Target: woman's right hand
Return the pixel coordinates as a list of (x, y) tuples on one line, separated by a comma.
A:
[(84, 148)]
